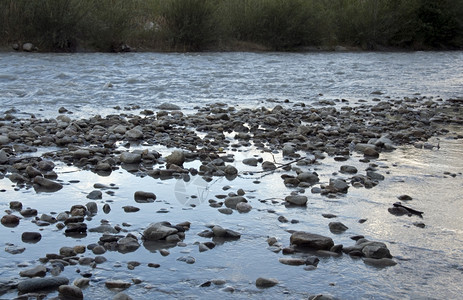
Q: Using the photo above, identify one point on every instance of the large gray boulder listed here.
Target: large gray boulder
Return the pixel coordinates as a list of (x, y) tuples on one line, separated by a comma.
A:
[(311, 240)]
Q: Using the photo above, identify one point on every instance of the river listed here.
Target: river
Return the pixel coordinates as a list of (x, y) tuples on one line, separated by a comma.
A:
[(430, 259)]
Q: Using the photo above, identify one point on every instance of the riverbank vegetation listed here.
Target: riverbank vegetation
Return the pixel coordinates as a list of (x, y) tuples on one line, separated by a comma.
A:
[(198, 25)]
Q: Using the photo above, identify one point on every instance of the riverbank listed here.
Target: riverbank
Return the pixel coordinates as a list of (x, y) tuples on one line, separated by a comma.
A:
[(245, 185)]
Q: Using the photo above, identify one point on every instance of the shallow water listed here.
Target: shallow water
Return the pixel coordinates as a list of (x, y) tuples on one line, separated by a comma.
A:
[(429, 259)]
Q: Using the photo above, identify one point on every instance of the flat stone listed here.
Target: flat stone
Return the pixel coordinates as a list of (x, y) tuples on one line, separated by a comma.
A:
[(38, 284), (311, 240), (117, 284), (38, 271), (299, 200)]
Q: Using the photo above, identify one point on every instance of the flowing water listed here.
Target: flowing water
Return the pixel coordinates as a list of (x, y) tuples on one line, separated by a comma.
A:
[(430, 259)]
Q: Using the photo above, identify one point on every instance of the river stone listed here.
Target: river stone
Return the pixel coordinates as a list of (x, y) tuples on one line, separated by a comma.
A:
[(28, 212), (262, 282), (31, 237), (32, 172), (42, 184), (374, 175), (70, 292), (187, 259), (103, 228), (292, 261), (322, 297), (158, 231), (348, 169), (99, 250), (95, 195), (81, 282), (144, 197), (130, 157), (168, 106), (37, 284), (250, 161), (81, 153), (243, 207), (337, 227), (121, 296), (13, 249), (134, 134), (177, 158), (67, 251), (225, 233), (130, 208), (311, 240), (375, 250), (268, 166), (92, 208), (117, 284), (226, 210), (4, 140), (3, 156), (310, 178), (379, 263), (16, 205), (231, 202), (38, 271), (10, 220), (300, 200), (230, 170)]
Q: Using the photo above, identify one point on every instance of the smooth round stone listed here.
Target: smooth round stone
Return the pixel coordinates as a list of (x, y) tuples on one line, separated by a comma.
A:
[(31, 237), (70, 292), (266, 282), (10, 220)]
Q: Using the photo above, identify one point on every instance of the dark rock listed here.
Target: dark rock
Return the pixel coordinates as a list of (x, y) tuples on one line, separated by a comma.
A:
[(266, 282), (31, 237), (300, 200), (38, 284), (38, 271), (10, 220), (70, 292), (337, 227), (144, 197), (311, 240)]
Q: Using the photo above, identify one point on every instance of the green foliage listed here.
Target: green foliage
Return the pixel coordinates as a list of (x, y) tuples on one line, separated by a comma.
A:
[(188, 24), (195, 25)]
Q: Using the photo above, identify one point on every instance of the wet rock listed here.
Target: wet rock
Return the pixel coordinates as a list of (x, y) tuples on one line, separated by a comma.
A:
[(310, 240), (268, 166), (95, 195), (375, 176), (42, 184), (329, 216), (144, 197), (38, 271), (405, 198), (300, 200), (250, 161), (79, 227), (379, 263), (106, 208), (168, 106), (130, 157), (28, 212), (158, 231), (16, 205), (230, 170), (419, 224), (98, 250), (243, 207), (70, 292), (38, 284), (337, 227), (10, 220), (130, 209), (310, 178), (348, 169), (262, 282), (176, 158), (81, 282), (225, 210), (117, 284), (104, 228), (231, 202), (31, 237), (292, 261), (122, 296), (225, 233), (187, 259), (134, 134), (92, 208), (32, 172), (336, 186), (67, 251), (13, 249)]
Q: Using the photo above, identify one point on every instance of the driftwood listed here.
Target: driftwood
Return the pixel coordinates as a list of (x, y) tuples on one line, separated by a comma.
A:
[(410, 210)]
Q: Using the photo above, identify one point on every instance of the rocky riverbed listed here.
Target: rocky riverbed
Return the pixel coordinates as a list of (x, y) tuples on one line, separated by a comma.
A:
[(97, 191)]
